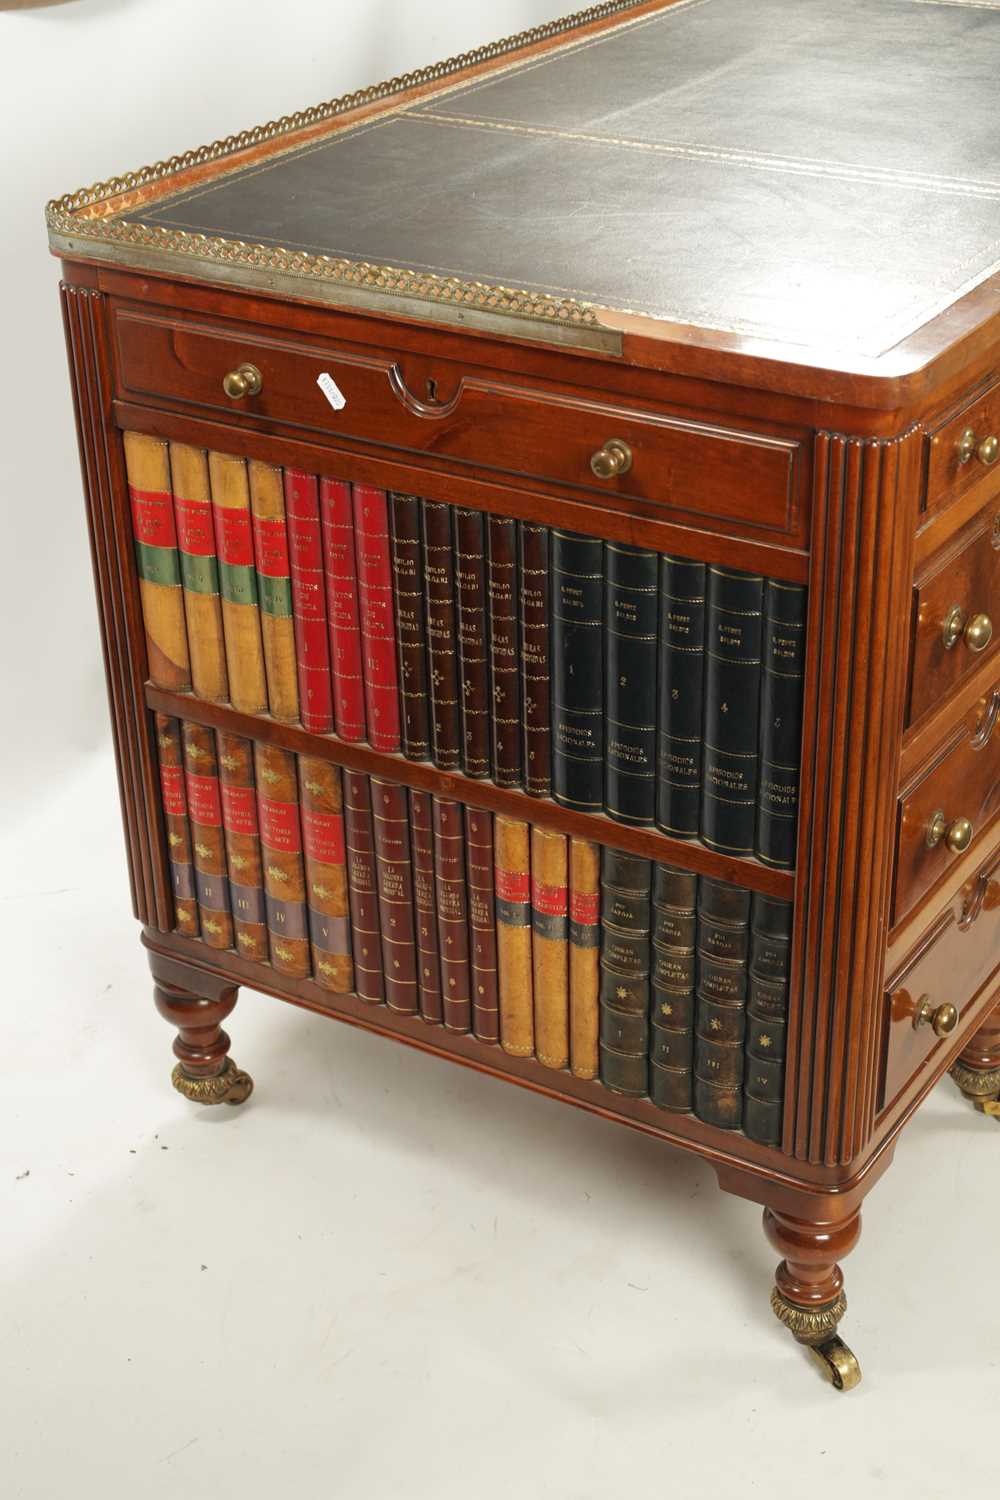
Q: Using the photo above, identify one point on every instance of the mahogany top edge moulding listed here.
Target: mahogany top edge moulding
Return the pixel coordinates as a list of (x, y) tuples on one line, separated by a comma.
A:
[(675, 180)]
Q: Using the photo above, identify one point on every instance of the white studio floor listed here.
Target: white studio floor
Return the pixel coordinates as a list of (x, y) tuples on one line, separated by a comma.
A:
[(389, 1277)]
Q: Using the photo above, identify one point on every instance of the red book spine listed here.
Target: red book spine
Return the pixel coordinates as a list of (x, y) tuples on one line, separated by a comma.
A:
[(342, 597), (312, 651), (366, 938), (425, 904), (482, 924), (378, 633), (453, 913)]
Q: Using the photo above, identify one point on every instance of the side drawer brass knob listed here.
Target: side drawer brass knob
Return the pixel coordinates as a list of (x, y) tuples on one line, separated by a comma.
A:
[(245, 381), (957, 835), (988, 450), (942, 1019), (978, 633), (613, 459)]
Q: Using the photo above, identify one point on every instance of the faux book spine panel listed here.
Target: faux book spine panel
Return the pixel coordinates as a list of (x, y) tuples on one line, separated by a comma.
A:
[(312, 647), (274, 585), (199, 571)]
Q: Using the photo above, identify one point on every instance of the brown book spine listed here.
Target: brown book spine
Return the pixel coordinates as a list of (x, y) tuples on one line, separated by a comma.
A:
[(720, 1014), (394, 869), (425, 904), (535, 676), (281, 851), (157, 560), (175, 812), (238, 583), (199, 571), (411, 633), (274, 585), (201, 774), (326, 873), (366, 940), (550, 946), (584, 956), (512, 868), (625, 971), (504, 674), (442, 646), (482, 924), (453, 913), (246, 870), (473, 646)]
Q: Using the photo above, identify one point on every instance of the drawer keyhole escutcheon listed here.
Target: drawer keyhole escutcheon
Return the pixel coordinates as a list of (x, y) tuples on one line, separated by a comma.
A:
[(246, 380), (942, 1019), (986, 451), (613, 460), (976, 630), (957, 835)]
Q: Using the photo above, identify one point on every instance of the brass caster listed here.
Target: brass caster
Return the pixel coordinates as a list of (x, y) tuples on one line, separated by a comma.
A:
[(838, 1363), (230, 1086), (982, 1089)]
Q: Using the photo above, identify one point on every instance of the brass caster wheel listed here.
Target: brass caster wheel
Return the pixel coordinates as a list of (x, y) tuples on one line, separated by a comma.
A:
[(230, 1086), (982, 1089), (838, 1363)]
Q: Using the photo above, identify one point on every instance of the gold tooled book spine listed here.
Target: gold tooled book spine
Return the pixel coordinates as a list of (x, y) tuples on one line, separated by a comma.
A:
[(277, 625), (550, 946), (512, 864), (157, 560), (326, 873), (201, 771), (584, 956), (239, 819), (199, 571), (238, 583), (175, 816), (281, 854)]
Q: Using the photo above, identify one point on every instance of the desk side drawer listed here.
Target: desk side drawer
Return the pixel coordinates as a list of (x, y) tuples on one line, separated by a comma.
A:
[(964, 448)]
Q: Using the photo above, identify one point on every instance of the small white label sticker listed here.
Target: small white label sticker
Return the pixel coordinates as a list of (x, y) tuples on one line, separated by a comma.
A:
[(331, 390)]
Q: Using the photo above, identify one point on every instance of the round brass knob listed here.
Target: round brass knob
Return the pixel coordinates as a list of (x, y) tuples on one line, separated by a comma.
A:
[(957, 835), (942, 1019), (978, 633), (988, 450), (954, 624), (614, 459), (966, 446), (244, 381)]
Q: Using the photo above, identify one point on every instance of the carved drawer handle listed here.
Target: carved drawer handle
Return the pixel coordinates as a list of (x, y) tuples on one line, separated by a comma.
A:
[(986, 451), (972, 909), (613, 460), (988, 722), (976, 630), (244, 381), (957, 835), (942, 1019)]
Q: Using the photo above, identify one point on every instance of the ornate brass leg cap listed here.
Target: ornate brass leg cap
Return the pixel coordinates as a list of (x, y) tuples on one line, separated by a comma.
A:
[(980, 1086), (816, 1328), (230, 1086)]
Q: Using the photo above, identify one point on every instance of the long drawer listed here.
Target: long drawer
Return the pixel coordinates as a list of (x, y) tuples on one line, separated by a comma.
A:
[(422, 403), (951, 965)]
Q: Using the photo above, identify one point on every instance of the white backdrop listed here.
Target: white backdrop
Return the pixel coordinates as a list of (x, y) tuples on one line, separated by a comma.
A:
[(89, 89)]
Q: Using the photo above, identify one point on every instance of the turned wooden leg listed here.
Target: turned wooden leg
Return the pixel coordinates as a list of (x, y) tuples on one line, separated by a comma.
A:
[(977, 1071), (197, 1003), (808, 1294)]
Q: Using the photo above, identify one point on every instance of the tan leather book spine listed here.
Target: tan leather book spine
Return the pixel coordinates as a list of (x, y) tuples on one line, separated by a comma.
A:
[(274, 587), (281, 852), (175, 816), (246, 872), (512, 854), (550, 946), (326, 873), (157, 560), (201, 775), (584, 956), (238, 583), (199, 571)]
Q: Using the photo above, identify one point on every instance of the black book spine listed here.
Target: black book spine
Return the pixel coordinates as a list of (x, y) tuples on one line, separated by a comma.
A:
[(533, 542), (578, 671), (505, 697), (631, 606), (767, 1019), (625, 970), (781, 722), (473, 649), (721, 1003), (732, 710), (671, 1046), (411, 634), (439, 599), (681, 696)]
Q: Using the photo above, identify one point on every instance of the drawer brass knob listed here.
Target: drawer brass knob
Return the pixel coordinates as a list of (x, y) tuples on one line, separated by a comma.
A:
[(613, 459), (246, 381), (957, 835), (978, 633), (988, 450), (942, 1019)]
